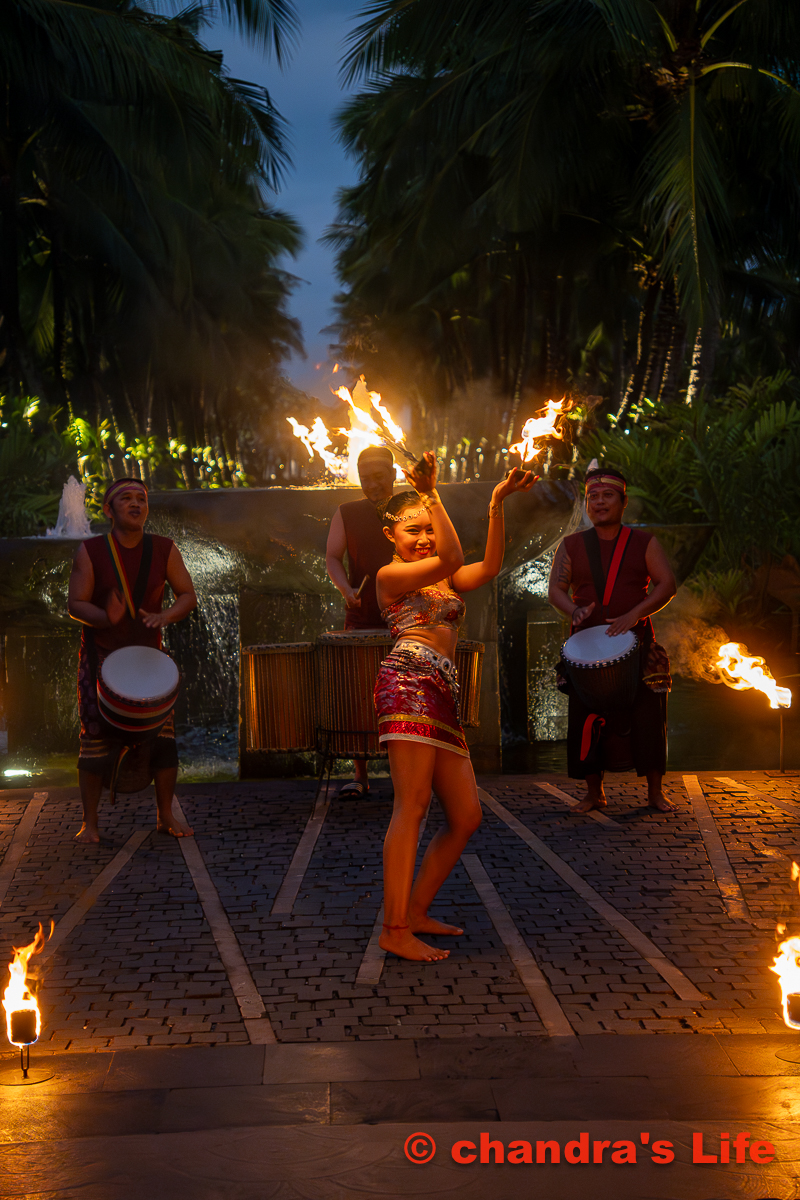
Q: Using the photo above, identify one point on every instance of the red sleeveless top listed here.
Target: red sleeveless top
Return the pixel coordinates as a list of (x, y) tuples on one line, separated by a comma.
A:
[(630, 588), (368, 549), (128, 632)]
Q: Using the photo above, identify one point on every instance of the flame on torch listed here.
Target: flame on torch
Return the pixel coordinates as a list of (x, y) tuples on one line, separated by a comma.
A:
[(18, 1000), (787, 967), (540, 427), (741, 670), (371, 424)]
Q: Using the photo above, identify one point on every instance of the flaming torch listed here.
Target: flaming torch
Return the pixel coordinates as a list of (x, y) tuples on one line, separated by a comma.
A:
[(787, 968), (23, 1019), (540, 427), (741, 670), (371, 424)]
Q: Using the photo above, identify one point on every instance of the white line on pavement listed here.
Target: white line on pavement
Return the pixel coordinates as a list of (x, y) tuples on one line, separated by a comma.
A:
[(744, 789), (293, 880), (535, 983), (728, 884), (251, 1006), (680, 984), (594, 813), (16, 847), (93, 892)]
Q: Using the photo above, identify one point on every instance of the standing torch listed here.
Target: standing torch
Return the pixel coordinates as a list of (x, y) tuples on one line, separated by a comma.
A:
[(23, 1019)]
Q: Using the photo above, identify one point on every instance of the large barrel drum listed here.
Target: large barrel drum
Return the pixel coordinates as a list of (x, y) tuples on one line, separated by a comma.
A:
[(348, 667), (279, 696)]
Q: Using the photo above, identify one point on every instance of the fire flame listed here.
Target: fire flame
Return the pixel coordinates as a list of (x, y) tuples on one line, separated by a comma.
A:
[(365, 430), (787, 968), (740, 670), (17, 996), (540, 427)]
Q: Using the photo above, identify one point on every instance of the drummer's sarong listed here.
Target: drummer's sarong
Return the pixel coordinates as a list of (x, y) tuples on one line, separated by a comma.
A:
[(416, 699), (98, 747), (634, 737)]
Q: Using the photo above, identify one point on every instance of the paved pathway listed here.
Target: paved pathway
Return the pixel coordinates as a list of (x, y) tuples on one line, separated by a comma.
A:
[(142, 966)]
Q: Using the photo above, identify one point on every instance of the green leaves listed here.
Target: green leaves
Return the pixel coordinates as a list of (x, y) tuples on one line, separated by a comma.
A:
[(732, 462)]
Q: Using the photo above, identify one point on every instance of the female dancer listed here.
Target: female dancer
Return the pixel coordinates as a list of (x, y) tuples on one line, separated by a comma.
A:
[(416, 697)]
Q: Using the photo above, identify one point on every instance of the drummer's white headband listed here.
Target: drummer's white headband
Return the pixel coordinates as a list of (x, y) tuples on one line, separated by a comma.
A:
[(606, 481)]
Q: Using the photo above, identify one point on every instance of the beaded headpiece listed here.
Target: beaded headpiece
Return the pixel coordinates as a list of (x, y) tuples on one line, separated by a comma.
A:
[(405, 515)]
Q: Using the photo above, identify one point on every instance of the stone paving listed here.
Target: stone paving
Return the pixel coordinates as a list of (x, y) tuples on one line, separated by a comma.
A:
[(142, 968)]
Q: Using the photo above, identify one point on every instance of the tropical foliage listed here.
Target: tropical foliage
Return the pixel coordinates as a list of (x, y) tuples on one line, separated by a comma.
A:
[(731, 462), (571, 194), (140, 279)]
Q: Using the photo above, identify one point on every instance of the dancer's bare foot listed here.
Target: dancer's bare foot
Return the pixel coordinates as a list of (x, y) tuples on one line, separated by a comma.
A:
[(174, 826), (425, 924), (88, 834), (660, 803), (403, 943), (590, 802)]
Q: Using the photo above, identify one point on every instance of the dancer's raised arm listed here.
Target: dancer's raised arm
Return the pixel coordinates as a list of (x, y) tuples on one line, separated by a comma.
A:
[(420, 527), (475, 575)]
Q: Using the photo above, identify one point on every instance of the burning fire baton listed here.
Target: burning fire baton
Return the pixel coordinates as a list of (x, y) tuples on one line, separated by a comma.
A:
[(23, 1019), (550, 425)]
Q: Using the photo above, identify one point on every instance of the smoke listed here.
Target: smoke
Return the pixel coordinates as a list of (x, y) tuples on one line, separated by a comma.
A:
[(686, 630)]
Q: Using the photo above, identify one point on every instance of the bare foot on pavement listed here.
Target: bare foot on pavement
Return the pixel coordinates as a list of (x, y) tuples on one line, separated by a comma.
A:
[(403, 943)]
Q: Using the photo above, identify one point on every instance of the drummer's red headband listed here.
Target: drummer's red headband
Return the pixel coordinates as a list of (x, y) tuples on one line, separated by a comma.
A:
[(612, 481), (119, 485)]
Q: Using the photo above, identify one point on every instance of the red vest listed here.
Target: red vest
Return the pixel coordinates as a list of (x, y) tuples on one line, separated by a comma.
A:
[(128, 632), (630, 588), (368, 549)]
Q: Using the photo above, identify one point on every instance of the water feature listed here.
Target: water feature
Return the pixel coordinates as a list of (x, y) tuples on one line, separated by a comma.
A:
[(73, 519), (257, 560)]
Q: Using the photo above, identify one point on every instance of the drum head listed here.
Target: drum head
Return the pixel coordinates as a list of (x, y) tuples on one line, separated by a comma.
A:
[(356, 637), (590, 646), (140, 673)]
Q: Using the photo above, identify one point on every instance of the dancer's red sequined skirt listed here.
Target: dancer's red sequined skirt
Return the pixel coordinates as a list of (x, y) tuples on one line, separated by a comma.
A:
[(416, 699)]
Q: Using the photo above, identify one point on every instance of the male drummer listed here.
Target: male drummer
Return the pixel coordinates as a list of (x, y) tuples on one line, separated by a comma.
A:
[(634, 578), (357, 529), (116, 591)]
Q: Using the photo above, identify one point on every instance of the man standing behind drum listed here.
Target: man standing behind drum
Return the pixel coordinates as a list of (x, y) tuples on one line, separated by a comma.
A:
[(115, 592), (357, 529), (623, 563)]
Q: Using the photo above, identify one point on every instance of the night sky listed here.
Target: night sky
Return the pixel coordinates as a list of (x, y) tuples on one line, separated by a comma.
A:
[(307, 93)]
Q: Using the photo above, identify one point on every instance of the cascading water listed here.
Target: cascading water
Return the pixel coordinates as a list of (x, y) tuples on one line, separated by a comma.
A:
[(72, 520), (206, 649)]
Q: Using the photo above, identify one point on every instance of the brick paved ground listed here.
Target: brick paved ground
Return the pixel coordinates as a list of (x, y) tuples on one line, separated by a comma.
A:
[(142, 968)]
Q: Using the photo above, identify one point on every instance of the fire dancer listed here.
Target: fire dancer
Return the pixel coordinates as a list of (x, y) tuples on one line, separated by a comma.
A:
[(416, 698), (629, 566), (357, 530), (96, 586)]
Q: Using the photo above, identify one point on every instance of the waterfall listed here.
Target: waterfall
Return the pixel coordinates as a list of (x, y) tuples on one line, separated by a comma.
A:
[(72, 520)]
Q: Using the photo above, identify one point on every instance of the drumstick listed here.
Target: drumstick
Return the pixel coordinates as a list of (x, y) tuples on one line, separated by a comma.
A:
[(361, 586)]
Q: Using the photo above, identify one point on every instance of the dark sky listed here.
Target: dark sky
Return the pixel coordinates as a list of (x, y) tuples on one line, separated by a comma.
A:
[(307, 93)]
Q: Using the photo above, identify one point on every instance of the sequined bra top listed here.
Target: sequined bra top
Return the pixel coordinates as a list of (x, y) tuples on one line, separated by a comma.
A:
[(429, 608)]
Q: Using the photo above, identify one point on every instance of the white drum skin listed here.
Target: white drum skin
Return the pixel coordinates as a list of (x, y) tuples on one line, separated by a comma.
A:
[(604, 671), (140, 673), (136, 691), (592, 646)]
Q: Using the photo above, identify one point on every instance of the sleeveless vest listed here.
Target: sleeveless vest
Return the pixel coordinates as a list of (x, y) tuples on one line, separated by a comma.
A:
[(631, 586), (368, 549), (128, 632)]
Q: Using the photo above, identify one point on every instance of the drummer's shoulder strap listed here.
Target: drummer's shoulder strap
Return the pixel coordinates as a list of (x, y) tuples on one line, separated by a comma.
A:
[(133, 599), (604, 586)]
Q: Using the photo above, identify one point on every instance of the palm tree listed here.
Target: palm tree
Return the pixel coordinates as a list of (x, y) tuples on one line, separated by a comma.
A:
[(669, 127), (129, 161)]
